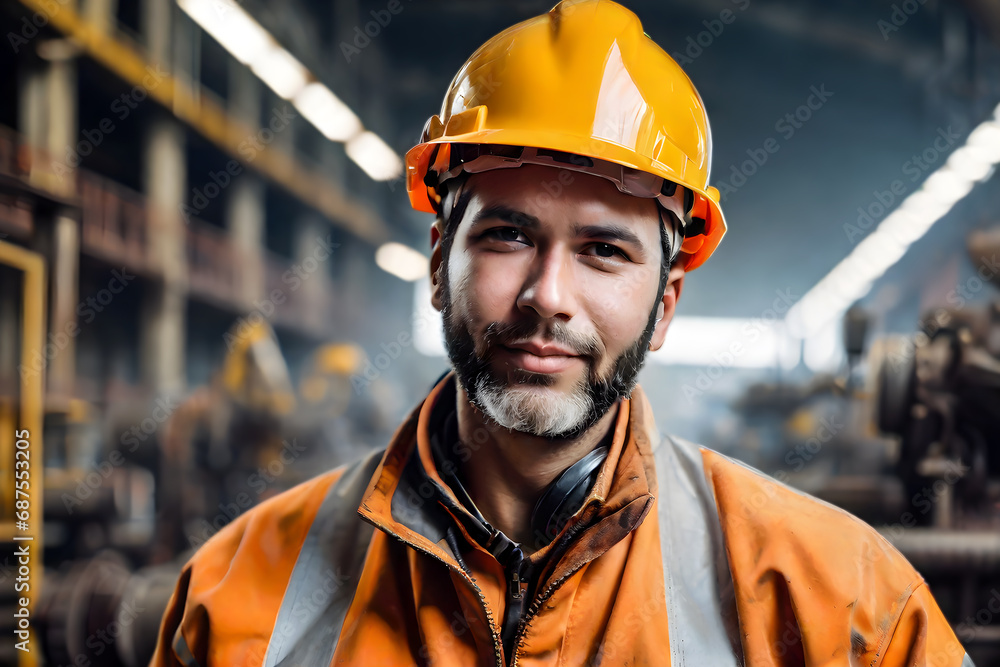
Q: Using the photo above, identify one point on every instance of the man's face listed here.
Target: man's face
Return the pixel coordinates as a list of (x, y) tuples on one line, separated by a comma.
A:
[(549, 296)]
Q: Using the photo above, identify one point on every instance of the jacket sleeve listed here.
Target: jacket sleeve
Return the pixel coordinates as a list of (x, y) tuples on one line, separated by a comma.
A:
[(923, 636), (172, 647)]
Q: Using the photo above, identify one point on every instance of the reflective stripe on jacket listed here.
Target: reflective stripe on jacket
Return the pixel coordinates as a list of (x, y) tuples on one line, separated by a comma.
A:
[(679, 556)]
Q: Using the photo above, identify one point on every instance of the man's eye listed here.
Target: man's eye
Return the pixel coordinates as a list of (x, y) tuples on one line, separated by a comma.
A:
[(607, 251), (507, 234)]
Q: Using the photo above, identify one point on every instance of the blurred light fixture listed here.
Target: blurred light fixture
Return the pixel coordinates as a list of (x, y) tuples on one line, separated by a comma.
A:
[(401, 261), (282, 73), (972, 162), (986, 138), (232, 27), (853, 277), (254, 46), (322, 108), (374, 156)]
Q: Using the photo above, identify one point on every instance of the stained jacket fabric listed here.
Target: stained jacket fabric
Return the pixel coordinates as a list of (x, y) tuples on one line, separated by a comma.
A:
[(679, 556)]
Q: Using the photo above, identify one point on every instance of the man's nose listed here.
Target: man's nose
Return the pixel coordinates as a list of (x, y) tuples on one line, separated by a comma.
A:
[(550, 288)]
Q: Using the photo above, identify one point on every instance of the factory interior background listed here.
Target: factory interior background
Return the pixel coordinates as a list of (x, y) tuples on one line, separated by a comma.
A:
[(212, 285)]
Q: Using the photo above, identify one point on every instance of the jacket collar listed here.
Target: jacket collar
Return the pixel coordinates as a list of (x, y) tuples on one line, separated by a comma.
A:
[(402, 497)]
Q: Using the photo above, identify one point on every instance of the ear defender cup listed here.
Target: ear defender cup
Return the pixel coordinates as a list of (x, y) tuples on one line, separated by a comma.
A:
[(565, 496)]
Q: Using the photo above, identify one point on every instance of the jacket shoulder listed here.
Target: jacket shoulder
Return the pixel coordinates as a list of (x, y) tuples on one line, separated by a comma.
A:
[(820, 579), (271, 534), (285, 516), (770, 515), (800, 565), (230, 591)]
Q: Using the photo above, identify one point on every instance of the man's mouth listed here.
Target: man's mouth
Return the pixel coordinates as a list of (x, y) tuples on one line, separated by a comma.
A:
[(539, 357)]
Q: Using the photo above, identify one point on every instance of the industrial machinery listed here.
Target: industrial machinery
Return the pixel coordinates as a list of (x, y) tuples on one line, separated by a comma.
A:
[(939, 392), (908, 439), (219, 442), (226, 447), (335, 421)]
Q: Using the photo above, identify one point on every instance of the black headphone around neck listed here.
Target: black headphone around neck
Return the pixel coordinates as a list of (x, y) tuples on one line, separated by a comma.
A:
[(558, 502), (564, 496)]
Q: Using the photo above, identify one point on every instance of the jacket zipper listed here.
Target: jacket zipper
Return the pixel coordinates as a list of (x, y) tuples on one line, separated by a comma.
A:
[(540, 600), (497, 643), (551, 588), (514, 608)]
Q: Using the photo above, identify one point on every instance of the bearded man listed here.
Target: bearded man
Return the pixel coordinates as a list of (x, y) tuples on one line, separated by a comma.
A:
[(529, 511)]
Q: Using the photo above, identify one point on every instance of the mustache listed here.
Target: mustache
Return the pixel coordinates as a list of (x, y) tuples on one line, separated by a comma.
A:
[(515, 333)]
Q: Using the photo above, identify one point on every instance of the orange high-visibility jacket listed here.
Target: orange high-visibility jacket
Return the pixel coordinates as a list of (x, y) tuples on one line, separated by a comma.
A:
[(679, 556)]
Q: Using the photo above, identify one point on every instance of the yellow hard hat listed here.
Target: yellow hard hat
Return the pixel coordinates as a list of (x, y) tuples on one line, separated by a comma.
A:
[(582, 80)]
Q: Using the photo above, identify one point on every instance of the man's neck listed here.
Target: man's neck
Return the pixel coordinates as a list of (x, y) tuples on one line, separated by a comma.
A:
[(509, 471)]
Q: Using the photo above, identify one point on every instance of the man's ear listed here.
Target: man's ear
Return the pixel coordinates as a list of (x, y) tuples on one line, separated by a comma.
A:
[(665, 309), (435, 264)]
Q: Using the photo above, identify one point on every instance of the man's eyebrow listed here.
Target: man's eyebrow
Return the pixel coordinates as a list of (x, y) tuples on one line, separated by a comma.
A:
[(606, 232), (507, 214), (609, 232)]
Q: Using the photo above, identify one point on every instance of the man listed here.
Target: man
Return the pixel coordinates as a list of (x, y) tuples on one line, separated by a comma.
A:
[(528, 512)]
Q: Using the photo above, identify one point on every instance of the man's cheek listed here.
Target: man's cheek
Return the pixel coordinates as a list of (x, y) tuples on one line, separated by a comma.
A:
[(494, 291), (620, 299), (620, 328)]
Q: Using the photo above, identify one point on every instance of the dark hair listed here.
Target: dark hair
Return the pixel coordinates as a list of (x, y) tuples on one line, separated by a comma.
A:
[(457, 212)]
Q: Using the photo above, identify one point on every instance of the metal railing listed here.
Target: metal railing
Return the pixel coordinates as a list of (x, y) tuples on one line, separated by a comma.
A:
[(14, 154), (121, 226), (114, 223), (215, 264)]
